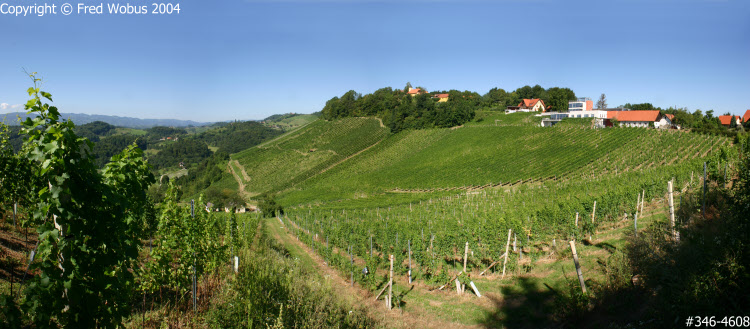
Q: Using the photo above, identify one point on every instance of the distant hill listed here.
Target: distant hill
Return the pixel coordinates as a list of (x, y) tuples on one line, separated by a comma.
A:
[(80, 118), (290, 121)]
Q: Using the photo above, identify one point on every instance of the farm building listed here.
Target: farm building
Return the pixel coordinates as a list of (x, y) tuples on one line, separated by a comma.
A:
[(441, 98), (746, 117), (638, 119), (416, 91), (726, 120), (527, 105)]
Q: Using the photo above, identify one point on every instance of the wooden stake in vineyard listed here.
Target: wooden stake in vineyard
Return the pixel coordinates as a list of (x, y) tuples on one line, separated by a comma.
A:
[(705, 186), (593, 215), (576, 219), (390, 285), (409, 261), (466, 255), (637, 204), (671, 211), (643, 200), (507, 245), (578, 266)]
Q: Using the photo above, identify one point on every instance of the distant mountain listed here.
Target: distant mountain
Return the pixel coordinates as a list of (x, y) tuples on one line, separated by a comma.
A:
[(80, 118)]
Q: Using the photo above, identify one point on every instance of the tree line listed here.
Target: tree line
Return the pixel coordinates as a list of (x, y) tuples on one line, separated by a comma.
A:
[(400, 110)]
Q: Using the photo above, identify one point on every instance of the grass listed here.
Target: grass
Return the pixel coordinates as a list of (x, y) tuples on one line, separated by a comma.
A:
[(477, 156), (292, 158)]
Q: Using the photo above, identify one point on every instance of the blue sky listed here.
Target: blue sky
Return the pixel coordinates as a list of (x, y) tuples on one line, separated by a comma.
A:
[(224, 60)]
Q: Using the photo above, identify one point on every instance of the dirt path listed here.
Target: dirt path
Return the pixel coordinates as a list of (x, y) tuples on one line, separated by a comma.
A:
[(242, 169), (243, 193), (395, 318)]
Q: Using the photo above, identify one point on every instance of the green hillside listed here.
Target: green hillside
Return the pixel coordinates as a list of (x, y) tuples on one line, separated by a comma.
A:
[(356, 158), (299, 155), (290, 121)]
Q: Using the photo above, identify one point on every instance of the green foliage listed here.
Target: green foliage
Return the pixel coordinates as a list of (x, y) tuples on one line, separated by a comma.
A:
[(200, 177), (83, 271), (304, 153), (269, 207), (238, 136), (399, 110), (274, 289), (164, 132), (182, 245), (15, 174), (185, 150), (94, 130)]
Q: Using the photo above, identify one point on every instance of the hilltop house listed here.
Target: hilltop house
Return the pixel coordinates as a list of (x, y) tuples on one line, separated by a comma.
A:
[(441, 98), (416, 91), (726, 120), (527, 105), (746, 117), (638, 119)]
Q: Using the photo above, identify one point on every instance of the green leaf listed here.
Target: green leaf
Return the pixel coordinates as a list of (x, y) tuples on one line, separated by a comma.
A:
[(31, 103), (47, 95)]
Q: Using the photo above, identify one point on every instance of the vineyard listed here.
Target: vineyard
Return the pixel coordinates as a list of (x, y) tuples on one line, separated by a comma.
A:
[(434, 160), (299, 155), (428, 197)]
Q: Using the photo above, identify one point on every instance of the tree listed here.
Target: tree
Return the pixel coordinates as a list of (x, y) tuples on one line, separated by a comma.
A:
[(733, 123), (90, 223), (602, 102), (558, 98), (407, 87)]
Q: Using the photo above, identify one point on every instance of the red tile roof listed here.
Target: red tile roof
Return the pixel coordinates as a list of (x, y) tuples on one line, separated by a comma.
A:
[(726, 120), (625, 116), (530, 102), (670, 116), (441, 96), (746, 117), (415, 91)]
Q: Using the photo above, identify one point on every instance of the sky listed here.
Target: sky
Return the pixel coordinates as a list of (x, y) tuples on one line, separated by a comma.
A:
[(242, 60)]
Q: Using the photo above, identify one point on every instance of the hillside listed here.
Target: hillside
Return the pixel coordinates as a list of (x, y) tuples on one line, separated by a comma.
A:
[(307, 166), (434, 198), (301, 154), (290, 121)]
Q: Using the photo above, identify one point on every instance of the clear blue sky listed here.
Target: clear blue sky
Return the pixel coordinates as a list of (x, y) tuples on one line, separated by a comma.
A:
[(224, 60)]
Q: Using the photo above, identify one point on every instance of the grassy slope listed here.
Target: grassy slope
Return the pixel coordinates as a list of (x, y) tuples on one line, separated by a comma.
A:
[(294, 157), (481, 153), (295, 121)]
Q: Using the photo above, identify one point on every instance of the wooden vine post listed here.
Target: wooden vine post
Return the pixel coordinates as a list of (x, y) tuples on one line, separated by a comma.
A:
[(576, 219), (409, 244), (643, 200), (593, 215), (507, 245), (637, 204), (705, 186), (390, 285), (578, 266), (671, 210), (466, 255)]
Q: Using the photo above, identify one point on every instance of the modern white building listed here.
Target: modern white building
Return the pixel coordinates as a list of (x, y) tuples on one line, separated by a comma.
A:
[(581, 104)]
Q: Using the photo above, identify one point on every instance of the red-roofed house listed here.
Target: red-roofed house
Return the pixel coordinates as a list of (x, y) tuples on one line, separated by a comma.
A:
[(416, 91), (441, 98), (746, 117), (639, 119), (726, 120), (531, 105)]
